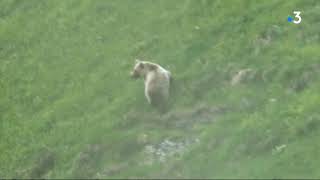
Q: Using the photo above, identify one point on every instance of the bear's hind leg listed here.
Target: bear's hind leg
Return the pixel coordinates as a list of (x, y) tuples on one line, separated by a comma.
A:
[(159, 102)]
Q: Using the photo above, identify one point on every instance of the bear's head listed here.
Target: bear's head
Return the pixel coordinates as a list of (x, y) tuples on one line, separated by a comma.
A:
[(141, 68)]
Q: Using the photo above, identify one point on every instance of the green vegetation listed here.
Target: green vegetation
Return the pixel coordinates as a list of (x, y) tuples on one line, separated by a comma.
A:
[(69, 109)]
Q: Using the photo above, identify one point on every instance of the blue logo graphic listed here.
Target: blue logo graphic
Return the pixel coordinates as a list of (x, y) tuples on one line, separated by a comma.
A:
[(290, 19)]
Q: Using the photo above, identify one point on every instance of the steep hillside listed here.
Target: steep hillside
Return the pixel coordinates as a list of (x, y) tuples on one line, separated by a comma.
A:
[(244, 103)]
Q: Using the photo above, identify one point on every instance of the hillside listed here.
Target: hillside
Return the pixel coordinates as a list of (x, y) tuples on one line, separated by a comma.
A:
[(244, 103)]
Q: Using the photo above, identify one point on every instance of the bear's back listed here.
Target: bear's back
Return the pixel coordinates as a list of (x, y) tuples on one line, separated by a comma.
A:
[(158, 81)]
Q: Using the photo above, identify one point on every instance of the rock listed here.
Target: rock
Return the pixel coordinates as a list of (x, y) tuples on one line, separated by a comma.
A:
[(167, 149), (241, 76)]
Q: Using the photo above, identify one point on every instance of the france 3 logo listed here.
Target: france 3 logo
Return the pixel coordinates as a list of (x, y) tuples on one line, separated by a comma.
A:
[(297, 18)]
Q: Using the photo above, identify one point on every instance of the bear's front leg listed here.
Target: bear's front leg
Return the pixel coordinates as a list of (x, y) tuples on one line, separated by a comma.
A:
[(146, 93)]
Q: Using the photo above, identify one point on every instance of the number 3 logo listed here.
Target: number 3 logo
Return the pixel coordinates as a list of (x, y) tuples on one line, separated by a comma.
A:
[(297, 19)]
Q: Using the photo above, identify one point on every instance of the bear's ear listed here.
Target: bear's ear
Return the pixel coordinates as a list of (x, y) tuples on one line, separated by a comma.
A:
[(137, 61), (141, 65)]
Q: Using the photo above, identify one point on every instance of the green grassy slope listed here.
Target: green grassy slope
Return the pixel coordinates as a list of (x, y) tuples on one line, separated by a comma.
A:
[(69, 109)]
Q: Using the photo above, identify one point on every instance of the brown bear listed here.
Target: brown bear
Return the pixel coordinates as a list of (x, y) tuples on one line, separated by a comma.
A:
[(156, 82)]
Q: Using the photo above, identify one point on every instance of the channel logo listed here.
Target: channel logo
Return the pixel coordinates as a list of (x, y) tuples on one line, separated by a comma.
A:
[(297, 18)]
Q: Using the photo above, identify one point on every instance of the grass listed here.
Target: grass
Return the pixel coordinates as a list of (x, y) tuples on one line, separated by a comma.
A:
[(65, 91)]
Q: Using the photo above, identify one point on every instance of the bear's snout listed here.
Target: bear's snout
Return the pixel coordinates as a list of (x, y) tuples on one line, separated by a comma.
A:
[(134, 74)]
